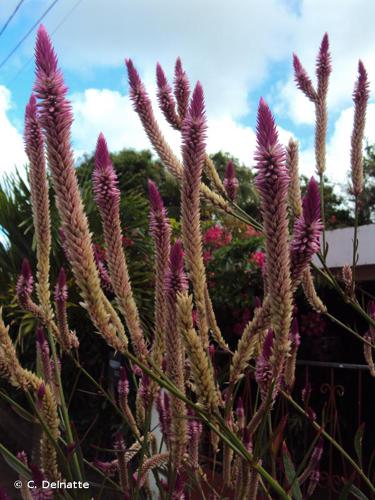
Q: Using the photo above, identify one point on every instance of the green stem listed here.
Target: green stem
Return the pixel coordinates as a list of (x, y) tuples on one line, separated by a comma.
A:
[(49, 435), (329, 438), (225, 434), (64, 409), (322, 211), (355, 246)]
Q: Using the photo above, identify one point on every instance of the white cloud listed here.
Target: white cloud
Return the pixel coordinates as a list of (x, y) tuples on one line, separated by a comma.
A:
[(226, 45), (12, 149), (349, 25), (107, 111), (338, 148), (292, 102)]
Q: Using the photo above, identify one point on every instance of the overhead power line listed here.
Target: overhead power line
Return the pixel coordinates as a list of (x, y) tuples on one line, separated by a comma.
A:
[(11, 17), (28, 33), (58, 26)]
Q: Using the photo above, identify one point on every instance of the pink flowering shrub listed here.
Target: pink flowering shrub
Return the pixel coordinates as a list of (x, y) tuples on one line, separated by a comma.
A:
[(207, 439)]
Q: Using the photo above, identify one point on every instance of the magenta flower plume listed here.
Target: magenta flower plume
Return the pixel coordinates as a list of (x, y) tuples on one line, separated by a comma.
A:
[(161, 231), (311, 472), (272, 176), (264, 368), (107, 197), (272, 182), (303, 80), (360, 98), (164, 412), (68, 338), (166, 99), (231, 183), (193, 154), (33, 134), (176, 280), (104, 179), (361, 89), (24, 286), (306, 233), (61, 289), (49, 85), (103, 271), (181, 89), (323, 66), (311, 202), (24, 289), (123, 383), (56, 118), (294, 334), (155, 197), (143, 107), (145, 392)]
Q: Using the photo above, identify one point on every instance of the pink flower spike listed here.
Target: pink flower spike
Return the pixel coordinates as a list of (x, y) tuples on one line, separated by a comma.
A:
[(311, 202), (272, 173), (160, 77), (61, 290), (323, 63), (133, 75), (306, 232), (123, 383), (361, 90), (294, 334), (166, 100), (33, 134), (154, 197), (196, 110), (46, 59), (181, 89), (105, 183), (176, 280), (24, 286), (231, 183), (303, 81)]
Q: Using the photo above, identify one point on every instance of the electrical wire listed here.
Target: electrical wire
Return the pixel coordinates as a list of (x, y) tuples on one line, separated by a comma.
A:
[(11, 16), (58, 26), (28, 33)]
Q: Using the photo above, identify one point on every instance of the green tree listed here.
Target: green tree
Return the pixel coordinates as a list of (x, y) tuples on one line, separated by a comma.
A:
[(367, 200)]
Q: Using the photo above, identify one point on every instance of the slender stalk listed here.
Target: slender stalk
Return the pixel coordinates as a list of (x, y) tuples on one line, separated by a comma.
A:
[(48, 433), (64, 409), (355, 246), (225, 434), (332, 441), (322, 214)]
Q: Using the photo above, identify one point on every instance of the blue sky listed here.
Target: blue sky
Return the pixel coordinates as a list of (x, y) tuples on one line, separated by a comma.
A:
[(239, 50)]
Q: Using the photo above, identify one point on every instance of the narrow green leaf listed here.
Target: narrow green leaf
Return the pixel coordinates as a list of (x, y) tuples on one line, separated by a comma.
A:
[(345, 491), (353, 490), (290, 473), (14, 463)]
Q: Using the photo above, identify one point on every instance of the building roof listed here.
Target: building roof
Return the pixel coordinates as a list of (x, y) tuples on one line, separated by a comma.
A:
[(340, 250)]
